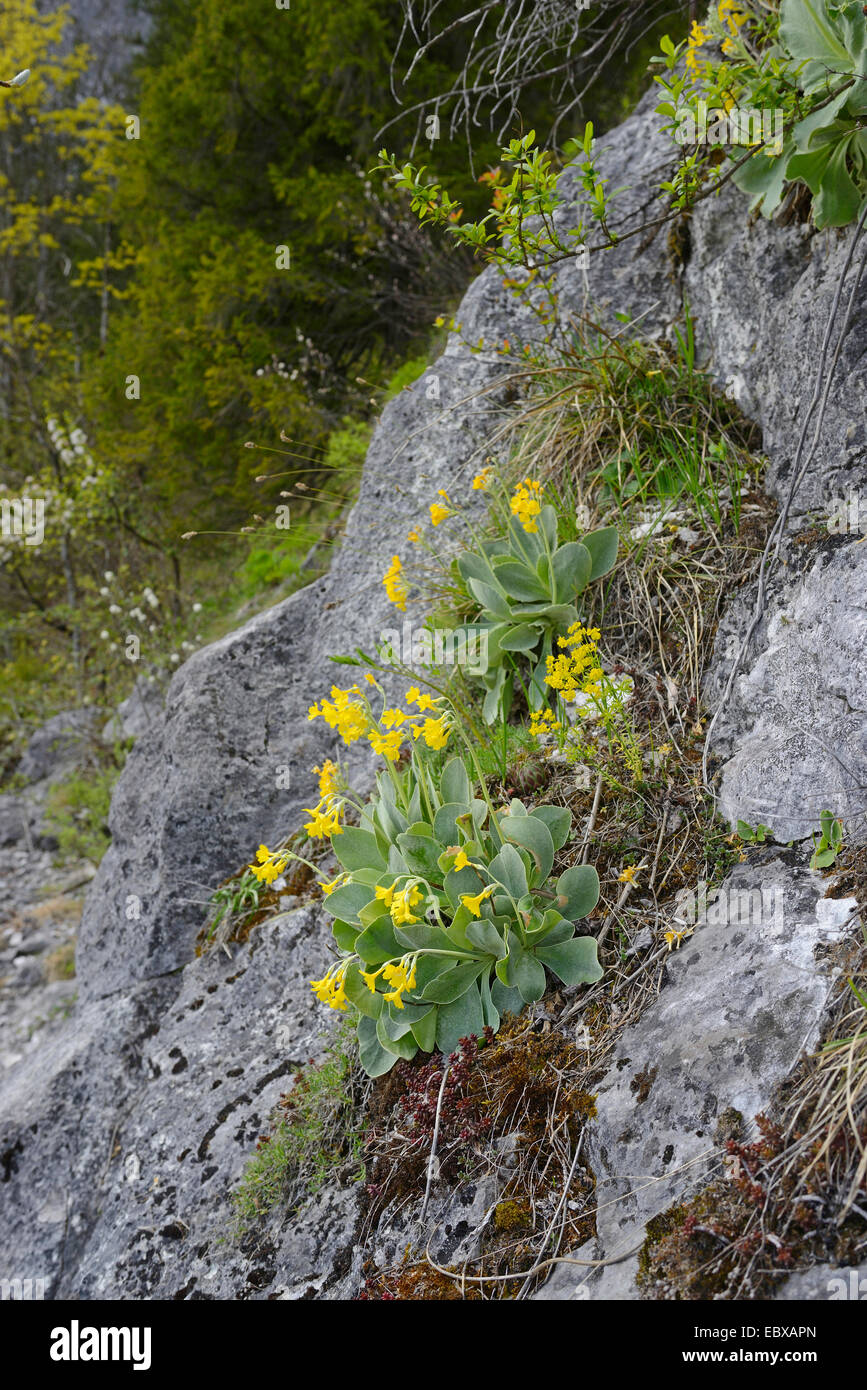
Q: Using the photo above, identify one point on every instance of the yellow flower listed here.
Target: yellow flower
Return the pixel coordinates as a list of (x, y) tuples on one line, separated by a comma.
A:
[(436, 732), (697, 39), (526, 503), (677, 938), (461, 860), (403, 902), (480, 482), (414, 537), (269, 866), (269, 872), (371, 680), (323, 823), (401, 976), (330, 989), (385, 895), (412, 694), (347, 716), (329, 778), (395, 584), (328, 888), (543, 722), (370, 978), (387, 745), (628, 875), (392, 718), (439, 513), (475, 904)]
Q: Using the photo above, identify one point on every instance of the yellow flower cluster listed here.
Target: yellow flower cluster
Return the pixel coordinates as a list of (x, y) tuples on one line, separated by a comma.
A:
[(577, 667), (395, 584), (345, 715), (352, 718), (697, 39), (269, 864), (434, 731), (526, 503), (324, 819), (399, 974), (733, 17), (400, 902), (329, 777), (542, 721), (330, 989), (439, 513)]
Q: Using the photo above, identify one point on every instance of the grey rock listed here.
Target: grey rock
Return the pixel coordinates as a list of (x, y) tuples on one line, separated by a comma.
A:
[(761, 297), (744, 996), (134, 715), (159, 1096), (451, 1230), (18, 820), (793, 733), (62, 744)]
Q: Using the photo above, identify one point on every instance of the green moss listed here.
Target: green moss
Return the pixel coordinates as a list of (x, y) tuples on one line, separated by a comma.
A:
[(513, 1216)]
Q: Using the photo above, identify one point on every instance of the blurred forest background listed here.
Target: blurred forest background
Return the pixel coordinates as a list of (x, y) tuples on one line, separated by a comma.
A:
[(147, 332)]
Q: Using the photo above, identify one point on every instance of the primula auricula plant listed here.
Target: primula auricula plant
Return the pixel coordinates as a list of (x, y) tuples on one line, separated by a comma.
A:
[(526, 584), (445, 914), (793, 82)]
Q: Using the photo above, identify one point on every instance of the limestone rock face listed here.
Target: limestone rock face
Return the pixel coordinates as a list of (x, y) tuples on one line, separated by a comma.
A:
[(122, 1137), (794, 733), (756, 975)]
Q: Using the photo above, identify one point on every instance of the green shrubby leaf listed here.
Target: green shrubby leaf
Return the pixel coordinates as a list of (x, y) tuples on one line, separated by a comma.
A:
[(378, 943), (575, 962), (462, 1019), (558, 820), (572, 565), (532, 835), (365, 1001), (453, 983), (507, 868), (602, 546), (578, 891), (347, 901), (357, 849), (373, 1056), (455, 785), (404, 1046)]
